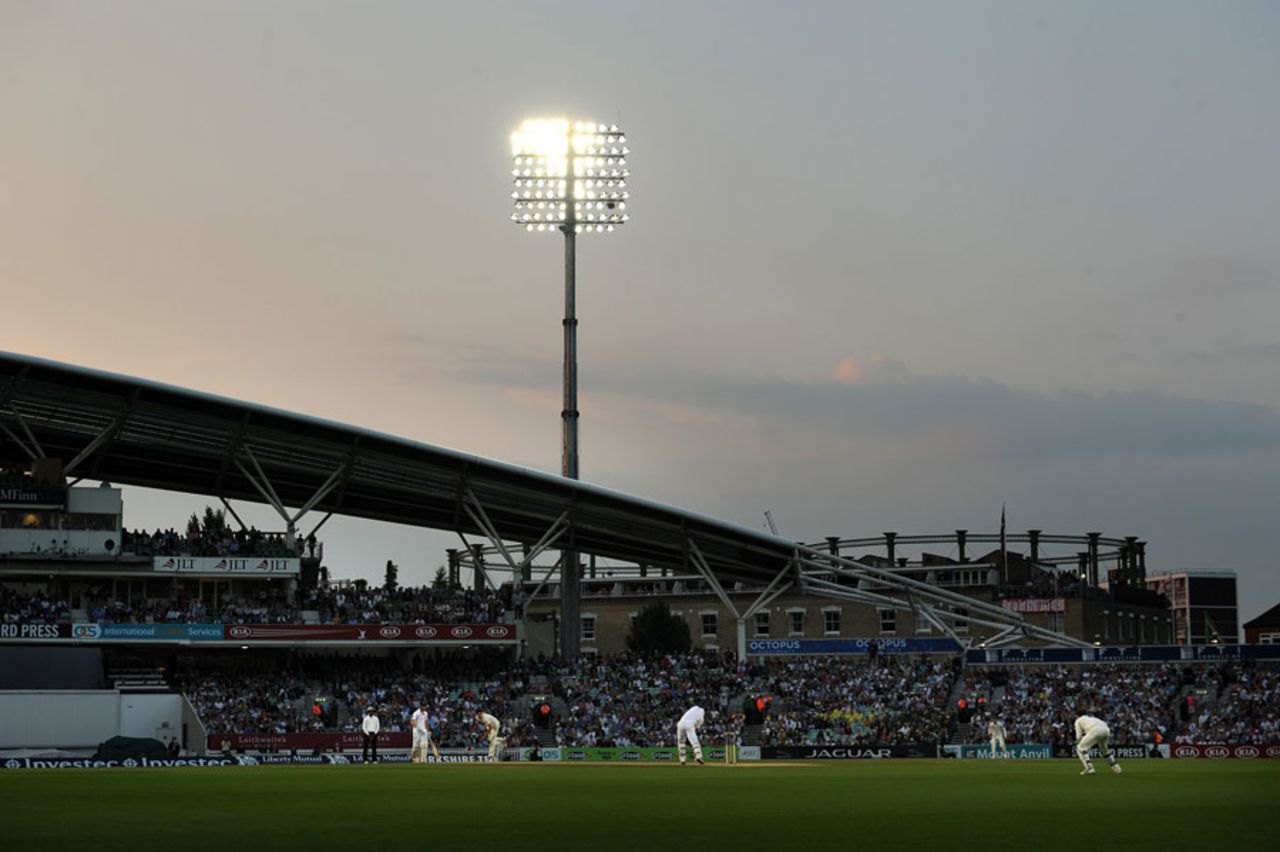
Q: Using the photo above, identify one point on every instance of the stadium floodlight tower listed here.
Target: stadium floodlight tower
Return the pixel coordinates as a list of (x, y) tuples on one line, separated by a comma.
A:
[(571, 177)]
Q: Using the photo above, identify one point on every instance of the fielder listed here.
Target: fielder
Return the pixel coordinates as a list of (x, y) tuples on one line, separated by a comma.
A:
[(419, 722), (1091, 731), (996, 731), (687, 731), (491, 725)]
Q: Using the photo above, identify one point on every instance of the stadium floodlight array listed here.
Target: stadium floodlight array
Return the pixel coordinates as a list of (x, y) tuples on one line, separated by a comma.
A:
[(569, 176)]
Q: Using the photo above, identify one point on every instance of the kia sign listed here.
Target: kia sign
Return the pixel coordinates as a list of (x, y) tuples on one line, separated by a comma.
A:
[(404, 634), (1186, 751)]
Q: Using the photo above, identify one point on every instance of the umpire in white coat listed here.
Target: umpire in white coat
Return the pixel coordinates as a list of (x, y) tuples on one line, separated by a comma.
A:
[(370, 728)]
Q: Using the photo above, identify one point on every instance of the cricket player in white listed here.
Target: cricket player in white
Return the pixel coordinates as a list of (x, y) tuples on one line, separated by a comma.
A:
[(419, 721), (687, 731), (491, 725), (995, 730), (1092, 731)]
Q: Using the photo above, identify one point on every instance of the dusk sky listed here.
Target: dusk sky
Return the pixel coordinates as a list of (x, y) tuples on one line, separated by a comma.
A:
[(890, 265)]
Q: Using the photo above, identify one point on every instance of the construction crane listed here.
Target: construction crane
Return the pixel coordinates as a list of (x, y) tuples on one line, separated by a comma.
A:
[(768, 519)]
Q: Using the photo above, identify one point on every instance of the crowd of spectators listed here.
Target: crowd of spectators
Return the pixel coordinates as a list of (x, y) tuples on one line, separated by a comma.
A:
[(630, 701), (253, 704), (1039, 704), (1245, 712), (435, 604), (264, 606), (34, 608), (840, 701), (213, 540), (1140, 704), (332, 693), (270, 604), (625, 700)]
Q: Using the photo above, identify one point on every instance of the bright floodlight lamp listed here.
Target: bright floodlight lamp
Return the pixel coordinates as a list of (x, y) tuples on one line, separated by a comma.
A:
[(571, 177)]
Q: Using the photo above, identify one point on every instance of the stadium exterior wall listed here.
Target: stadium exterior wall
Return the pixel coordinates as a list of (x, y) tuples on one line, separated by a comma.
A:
[(610, 620)]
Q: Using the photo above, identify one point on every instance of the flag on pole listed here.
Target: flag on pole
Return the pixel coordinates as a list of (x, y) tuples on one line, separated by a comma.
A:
[(1004, 556)]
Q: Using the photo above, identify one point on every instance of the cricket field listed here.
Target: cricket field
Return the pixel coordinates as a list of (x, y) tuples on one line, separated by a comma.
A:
[(890, 805)]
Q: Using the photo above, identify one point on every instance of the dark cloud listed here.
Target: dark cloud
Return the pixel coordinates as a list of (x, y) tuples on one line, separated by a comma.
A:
[(1003, 422)]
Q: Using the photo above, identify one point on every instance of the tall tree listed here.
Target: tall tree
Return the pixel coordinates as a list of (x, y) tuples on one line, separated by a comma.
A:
[(656, 630)]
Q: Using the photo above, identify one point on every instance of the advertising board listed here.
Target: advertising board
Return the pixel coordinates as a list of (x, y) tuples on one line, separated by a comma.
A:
[(1016, 751), (793, 647), (865, 752), (1184, 751)]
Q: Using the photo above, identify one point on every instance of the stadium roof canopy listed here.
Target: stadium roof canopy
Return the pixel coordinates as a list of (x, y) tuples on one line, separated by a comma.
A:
[(108, 427), (124, 430)]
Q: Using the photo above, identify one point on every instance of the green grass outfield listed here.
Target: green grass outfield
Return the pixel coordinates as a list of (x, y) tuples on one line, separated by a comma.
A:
[(872, 805)]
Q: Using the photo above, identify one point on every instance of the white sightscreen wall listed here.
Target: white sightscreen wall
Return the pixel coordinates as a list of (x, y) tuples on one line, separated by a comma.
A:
[(63, 719), (155, 716), (197, 736)]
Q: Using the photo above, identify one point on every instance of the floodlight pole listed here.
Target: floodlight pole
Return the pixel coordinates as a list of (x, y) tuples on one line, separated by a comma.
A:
[(570, 571), (549, 196)]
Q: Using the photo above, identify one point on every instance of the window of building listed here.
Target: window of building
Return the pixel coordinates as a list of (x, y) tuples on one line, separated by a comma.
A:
[(888, 620), (708, 624), (960, 625), (762, 624), (795, 622), (588, 628), (831, 621), (922, 624)]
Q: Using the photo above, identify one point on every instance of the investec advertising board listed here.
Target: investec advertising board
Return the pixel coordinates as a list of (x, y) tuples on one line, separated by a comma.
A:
[(402, 634), (788, 647), (454, 755)]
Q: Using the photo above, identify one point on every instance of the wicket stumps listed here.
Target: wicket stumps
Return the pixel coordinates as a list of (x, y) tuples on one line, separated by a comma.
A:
[(730, 754)]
